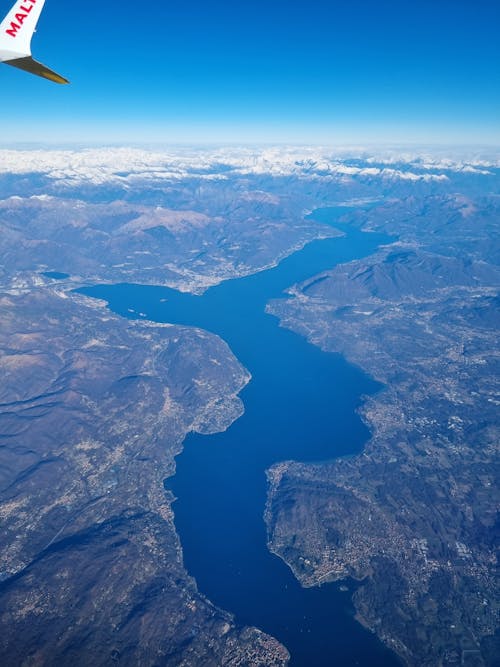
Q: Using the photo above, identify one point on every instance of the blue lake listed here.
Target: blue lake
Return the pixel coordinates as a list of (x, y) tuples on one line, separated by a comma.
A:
[(55, 275), (300, 404)]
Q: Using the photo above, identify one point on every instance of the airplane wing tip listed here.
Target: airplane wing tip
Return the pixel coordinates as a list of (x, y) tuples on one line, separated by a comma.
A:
[(59, 79), (16, 31), (29, 64)]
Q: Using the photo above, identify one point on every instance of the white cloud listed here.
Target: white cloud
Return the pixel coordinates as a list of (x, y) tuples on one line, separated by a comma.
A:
[(130, 165)]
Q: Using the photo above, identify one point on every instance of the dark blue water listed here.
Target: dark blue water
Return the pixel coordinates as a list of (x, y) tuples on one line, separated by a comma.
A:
[(55, 275), (301, 404)]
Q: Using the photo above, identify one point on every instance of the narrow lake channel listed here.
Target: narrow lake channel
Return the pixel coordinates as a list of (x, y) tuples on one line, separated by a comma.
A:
[(300, 404)]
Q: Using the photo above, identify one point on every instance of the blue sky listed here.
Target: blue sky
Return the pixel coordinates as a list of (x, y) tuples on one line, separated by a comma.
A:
[(356, 71)]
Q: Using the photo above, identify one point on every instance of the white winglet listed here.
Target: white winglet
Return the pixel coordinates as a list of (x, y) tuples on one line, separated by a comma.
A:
[(18, 27), (16, 31)]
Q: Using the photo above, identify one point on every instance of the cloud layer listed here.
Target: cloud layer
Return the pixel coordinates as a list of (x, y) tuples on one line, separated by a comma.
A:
[(129, 165)]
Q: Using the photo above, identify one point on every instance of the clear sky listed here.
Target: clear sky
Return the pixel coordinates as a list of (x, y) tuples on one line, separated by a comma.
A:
[(299, 71)]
